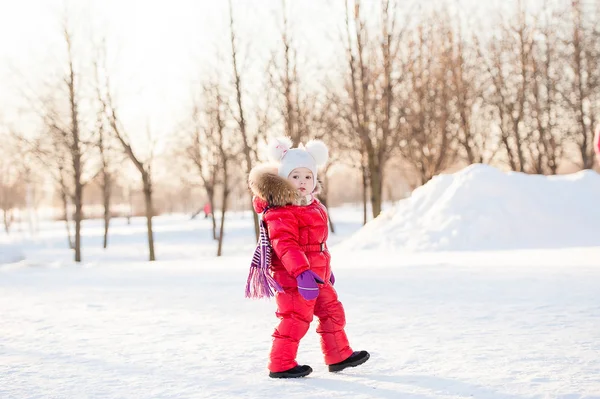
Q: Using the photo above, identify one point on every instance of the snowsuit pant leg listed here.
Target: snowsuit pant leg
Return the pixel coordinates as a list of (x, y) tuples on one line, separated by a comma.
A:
[(295, 314), (332, 320)]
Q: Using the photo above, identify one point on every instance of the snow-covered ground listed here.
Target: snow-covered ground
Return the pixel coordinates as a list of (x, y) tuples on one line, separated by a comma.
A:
[(505, 324), (10, 253)]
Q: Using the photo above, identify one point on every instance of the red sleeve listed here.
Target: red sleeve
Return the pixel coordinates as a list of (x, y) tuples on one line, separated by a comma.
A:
[(283, 233), (259, 204)]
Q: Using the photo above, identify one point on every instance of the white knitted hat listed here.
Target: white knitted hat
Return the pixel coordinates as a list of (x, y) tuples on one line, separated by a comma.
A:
[(314, 154)]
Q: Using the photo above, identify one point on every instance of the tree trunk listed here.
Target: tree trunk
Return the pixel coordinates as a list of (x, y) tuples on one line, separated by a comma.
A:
[(211, 201), (224, 198), (75, 149), (212, 216), (106, 189), (210, 193), (519, 143), (31, 211), (223, 210), (130, 199), (587, 160), (65, 203), (149, 214), (255, 219), (78, 218), (106, 178), (523, 93), (106, 226), (463, 103), (324, 196), (331, 225), (7, 221), (506, 141), (365, 186), (375, 178), (376, 195)]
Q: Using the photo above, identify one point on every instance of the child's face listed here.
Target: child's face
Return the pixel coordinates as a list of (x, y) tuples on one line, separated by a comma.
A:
[(302, 180)]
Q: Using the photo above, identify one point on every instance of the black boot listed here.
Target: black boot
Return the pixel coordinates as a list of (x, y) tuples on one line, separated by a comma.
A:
[(296, 372), (355, 359)]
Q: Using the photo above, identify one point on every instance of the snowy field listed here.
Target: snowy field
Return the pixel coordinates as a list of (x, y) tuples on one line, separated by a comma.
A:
[(488, 324)]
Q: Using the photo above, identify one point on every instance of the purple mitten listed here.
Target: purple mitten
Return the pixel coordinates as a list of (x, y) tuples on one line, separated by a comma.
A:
[(332, 279), (307, 284)]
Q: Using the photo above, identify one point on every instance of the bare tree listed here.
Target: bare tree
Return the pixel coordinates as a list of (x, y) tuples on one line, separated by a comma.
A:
[(50, 151), (102, 144), (294, 105), (144, 167), (428, 143), (65, 197), (13, 178), (582, 93), (75, 145), (106, 175), (547, 147), (249, 143), (224, 159), (470, 113), (11, 192), (62, 145), (376, 114), (202, 151), (342, 138), (30, 188), (508, 62)]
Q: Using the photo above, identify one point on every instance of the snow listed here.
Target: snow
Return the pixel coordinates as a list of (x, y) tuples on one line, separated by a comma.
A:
[(10, 252), (519, 323), (482, 208)]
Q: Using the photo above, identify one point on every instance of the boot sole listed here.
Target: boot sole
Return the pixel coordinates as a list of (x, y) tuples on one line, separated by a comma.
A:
[(291, 375), (334, 368)]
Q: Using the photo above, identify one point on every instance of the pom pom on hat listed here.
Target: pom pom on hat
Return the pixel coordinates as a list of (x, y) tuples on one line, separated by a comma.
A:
[(319, 151), (278, 147)]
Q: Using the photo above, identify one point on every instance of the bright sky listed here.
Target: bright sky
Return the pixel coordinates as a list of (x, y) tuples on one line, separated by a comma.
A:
[(157, 49)]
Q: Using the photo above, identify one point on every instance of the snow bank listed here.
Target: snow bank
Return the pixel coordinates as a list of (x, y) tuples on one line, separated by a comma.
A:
[(10, 253), (483, 208)]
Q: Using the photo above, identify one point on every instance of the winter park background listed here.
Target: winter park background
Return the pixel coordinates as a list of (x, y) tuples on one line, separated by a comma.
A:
[(463, 192)]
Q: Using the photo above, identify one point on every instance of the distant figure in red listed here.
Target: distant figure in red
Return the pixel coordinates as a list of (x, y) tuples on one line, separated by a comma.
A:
[(597, 144), (207, 210)]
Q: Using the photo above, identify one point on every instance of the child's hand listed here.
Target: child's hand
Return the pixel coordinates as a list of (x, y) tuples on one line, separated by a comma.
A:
[(307, 284)]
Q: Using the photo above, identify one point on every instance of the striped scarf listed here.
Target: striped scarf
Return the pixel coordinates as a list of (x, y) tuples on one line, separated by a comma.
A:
[(260, 283)]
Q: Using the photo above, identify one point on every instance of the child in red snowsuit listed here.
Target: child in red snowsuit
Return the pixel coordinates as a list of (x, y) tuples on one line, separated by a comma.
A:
[(297, 226)]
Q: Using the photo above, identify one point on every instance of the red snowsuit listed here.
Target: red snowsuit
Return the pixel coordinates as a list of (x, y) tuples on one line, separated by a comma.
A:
[(298, 236)]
